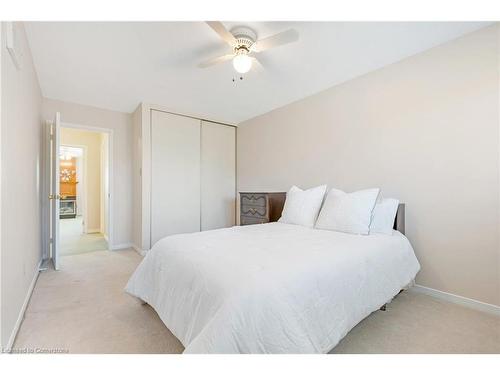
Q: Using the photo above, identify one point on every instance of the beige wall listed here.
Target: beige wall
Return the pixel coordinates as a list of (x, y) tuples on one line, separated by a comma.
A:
[(121, 158), (425, 130), (20, 183), (92, 172)]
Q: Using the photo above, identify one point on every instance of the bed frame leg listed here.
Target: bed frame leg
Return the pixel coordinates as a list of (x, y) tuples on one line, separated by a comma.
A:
[(384, 306)]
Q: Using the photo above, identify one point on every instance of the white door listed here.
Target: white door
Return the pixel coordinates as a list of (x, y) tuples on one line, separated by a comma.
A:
[(218, 175), (175, 175), (54, 190)]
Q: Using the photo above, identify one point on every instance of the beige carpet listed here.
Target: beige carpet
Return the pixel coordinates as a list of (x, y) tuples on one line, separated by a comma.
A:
[(83, 309), (74, 241)]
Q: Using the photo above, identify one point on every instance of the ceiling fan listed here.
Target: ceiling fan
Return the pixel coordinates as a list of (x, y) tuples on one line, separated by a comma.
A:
[(245, 44)]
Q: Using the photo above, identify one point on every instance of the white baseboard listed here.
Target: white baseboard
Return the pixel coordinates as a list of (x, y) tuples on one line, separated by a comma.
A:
[(97, 230), (23, 308), (106, 237), (464, 301), (139, 250), (121, 246)]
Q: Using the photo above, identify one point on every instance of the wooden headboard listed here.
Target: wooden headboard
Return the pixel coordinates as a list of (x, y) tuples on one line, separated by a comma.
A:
[(399, 220)]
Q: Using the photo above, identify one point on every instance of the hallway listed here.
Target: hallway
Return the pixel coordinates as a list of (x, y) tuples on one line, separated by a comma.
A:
[(74, 241)]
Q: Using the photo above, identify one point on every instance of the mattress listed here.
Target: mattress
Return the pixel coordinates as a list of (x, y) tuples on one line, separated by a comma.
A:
[(270, 288)]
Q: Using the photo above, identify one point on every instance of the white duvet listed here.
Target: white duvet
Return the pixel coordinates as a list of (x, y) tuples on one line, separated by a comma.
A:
[(270, 288)]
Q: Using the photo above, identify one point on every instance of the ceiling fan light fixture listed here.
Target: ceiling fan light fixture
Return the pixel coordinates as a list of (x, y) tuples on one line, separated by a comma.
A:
[(245, 44), (242, 63)]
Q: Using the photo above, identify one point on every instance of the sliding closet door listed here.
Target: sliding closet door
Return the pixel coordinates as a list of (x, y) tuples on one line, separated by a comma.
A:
[(175, 175), (218, 175)]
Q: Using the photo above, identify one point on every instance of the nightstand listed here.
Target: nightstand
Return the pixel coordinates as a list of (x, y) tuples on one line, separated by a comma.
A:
[(260, 208)]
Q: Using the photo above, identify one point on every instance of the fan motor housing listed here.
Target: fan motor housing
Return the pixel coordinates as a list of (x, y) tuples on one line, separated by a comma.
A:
[(244, 36)]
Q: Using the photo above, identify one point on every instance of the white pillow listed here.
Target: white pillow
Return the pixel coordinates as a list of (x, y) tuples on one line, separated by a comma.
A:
[(302, 206), (383, 216), (348, 212)]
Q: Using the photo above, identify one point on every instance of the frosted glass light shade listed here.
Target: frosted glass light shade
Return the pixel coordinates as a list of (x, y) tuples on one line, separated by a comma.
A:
[(242, 63)]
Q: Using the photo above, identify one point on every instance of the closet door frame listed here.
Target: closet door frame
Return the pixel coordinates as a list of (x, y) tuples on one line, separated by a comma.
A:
[(146, 165)]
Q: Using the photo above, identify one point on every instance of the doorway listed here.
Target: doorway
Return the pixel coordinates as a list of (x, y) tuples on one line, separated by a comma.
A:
[(78, 160), (84, 191)]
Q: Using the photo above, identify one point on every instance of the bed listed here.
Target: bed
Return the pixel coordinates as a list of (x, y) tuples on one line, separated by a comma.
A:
[(270, 288)]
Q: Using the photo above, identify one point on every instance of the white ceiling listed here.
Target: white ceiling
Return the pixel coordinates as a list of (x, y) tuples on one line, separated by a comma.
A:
[(117, 65)]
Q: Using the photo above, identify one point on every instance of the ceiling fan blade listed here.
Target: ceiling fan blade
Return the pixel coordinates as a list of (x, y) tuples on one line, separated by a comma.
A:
[(216, 60), (257, 65), (285, 37), (219, 28)]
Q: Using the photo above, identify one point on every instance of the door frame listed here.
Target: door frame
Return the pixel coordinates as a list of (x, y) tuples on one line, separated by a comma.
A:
[(110, 133)]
